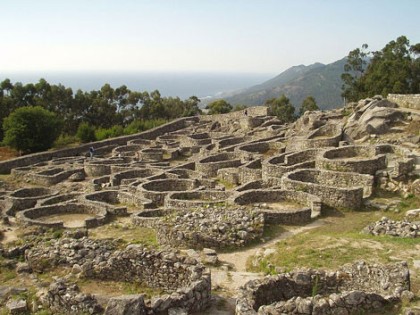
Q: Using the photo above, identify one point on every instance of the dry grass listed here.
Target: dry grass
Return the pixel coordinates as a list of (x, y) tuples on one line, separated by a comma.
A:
[(413, 128), (126, 232), (7, 153)]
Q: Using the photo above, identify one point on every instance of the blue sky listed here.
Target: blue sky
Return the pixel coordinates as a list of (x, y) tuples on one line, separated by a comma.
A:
[(253, 36)]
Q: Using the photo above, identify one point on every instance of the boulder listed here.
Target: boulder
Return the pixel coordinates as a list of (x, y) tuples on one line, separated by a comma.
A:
[(17, 306), (126, 305), (374, 118)]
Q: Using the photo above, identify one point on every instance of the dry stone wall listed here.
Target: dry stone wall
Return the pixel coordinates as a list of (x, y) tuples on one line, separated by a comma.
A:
[(352, 288), (406, 100)]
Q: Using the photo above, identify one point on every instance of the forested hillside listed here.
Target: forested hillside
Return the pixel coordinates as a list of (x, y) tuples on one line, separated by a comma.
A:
[(323, 82)]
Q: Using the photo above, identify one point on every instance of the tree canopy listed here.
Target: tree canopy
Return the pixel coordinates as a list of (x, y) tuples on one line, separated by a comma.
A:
[(394, 69), (282, 108), (31, 129), (308, 104), (101, 108), (219, 107)]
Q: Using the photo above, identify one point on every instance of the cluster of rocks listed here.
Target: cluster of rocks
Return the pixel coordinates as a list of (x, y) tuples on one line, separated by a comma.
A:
[(66, 297), (214, 227), (390, 227), (184, 279), (372, 116), (69, 252), (351, 302), (353, 288)]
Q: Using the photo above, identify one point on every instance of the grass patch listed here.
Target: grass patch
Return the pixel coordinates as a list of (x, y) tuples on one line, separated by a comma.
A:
[(228, 185), (6, 275), (128, 233), (413, 128), (338, 242)]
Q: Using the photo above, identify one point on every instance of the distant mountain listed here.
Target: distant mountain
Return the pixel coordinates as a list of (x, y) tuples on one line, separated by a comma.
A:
[(323, 82)]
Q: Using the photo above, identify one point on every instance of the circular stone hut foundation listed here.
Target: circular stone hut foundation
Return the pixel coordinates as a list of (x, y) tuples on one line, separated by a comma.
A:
[(66, 215), (358, 159), (282, 206), (336, 189), (353, 289)]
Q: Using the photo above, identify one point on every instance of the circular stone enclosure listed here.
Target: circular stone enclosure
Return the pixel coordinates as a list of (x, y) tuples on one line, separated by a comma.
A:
[(64, 215), (336, 189), (358, 159), (282, 206), (191, 199), (156, 190), (26, 198)]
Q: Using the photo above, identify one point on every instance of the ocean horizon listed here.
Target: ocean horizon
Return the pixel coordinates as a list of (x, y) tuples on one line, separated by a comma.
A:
[(180, 84)]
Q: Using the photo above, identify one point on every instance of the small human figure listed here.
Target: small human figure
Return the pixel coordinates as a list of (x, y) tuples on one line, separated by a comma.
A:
[(91, 152), (246, 112)]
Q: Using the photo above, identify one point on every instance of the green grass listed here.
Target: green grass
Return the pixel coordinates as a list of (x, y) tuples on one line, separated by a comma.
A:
[(6, 275), (128, 234), (228, 185), (340, 241)]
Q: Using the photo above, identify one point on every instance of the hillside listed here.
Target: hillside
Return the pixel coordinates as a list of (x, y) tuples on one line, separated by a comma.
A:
[(318, 80)]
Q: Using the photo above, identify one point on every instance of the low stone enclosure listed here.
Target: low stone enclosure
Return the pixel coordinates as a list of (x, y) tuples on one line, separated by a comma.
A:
[(282, 206), (95, 215), (204, 182), (185, 281), (336, 189), (354, 288)]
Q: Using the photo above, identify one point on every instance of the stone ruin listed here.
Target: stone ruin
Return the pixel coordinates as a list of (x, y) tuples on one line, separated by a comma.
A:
[(211, 182), (355, 288)]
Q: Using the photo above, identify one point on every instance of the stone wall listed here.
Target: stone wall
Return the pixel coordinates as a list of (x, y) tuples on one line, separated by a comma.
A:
[(191, 199), (6, 166), (358, 159), (210, 165), (336, 189), (354, 287), (406, 100), (212, 227), (31, 216), (183, 277), (308, 205), (240, 114)]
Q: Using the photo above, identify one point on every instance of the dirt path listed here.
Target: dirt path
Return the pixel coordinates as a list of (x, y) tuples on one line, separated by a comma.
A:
[(227, 279), (238, 259)]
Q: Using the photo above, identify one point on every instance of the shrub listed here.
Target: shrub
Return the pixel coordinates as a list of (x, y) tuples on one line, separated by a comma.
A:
[(64, 141), (85, 132), (31, 129)]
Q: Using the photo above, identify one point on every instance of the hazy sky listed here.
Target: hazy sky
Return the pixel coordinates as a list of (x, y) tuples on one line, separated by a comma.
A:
[(265, 36)]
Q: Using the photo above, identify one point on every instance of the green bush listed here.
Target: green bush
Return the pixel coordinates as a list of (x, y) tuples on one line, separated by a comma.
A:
[(64, 141), (219, 107), (114, 131), (31, 129), (85, 133), (142, 125)]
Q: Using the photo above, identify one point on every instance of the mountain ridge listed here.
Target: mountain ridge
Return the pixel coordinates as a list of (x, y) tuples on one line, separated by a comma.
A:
[(322, 81)]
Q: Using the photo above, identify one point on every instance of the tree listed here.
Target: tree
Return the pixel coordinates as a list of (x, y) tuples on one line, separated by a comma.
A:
[(308, 104), (31, 129), (282, 108), (394, 69), (85, 133), (353, 72), (219, 107), (239, 107)]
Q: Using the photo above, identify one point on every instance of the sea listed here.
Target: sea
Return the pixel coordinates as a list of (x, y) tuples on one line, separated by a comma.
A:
[(205, 85)]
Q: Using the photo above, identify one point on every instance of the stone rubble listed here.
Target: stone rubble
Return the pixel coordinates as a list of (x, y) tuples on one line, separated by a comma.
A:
[(390, 227)]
